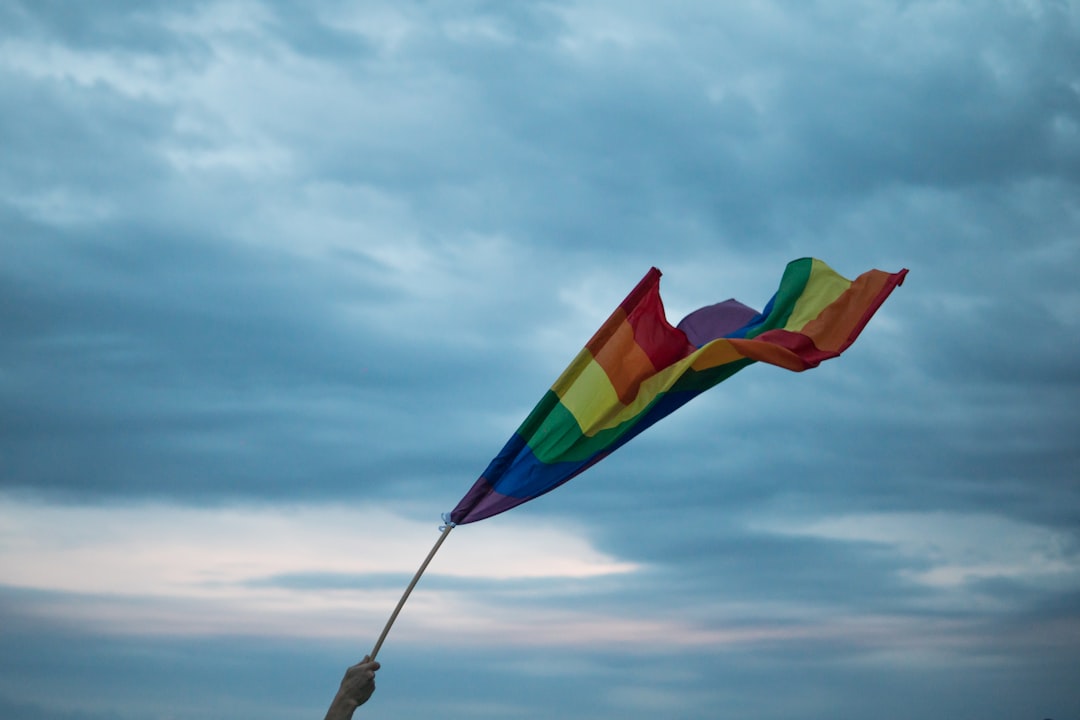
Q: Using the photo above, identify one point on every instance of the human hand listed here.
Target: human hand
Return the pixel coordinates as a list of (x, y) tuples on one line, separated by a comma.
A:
[(356, 687)]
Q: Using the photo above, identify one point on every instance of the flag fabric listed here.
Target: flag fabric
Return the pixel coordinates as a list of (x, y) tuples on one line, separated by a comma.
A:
[(638, 368)]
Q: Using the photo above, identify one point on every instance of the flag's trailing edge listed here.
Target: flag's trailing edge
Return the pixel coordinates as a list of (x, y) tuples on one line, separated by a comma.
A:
[(638, 368)]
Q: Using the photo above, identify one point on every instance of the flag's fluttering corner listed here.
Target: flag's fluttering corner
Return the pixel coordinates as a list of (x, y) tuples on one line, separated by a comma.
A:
[(638, 368)]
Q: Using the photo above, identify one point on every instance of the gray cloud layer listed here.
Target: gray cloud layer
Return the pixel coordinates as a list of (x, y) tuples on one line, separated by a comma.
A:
[(256, 253)]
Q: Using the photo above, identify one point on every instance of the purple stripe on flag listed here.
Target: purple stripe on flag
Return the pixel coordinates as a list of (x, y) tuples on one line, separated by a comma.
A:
[(716, 321)]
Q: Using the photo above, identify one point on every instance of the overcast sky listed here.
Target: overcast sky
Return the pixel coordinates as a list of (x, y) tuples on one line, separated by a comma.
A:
[(277, 280)]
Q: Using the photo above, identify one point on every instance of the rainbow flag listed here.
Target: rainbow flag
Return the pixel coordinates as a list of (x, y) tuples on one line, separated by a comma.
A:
[(638, 368)]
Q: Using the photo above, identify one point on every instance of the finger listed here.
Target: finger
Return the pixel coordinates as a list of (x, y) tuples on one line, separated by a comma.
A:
[(367, 664)]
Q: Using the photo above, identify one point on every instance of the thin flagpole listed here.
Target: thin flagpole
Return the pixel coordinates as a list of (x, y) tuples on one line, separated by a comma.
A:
[(401, 603)]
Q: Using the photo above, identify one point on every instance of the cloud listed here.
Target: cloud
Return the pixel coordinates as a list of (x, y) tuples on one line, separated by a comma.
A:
[(164, 569), (951, 551), (270, 269)]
